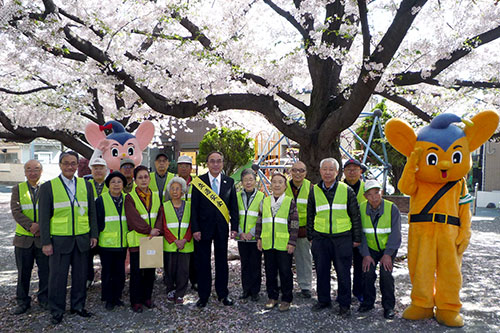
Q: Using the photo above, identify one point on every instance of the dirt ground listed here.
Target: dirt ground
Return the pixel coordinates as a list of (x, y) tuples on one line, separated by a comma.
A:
[(480, 297)]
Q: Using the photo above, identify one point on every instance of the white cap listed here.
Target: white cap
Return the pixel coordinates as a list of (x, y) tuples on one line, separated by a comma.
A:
[(99, 161), (372, 183), (184, 159)]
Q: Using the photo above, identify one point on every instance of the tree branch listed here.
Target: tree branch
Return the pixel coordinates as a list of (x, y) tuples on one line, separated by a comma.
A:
[(98, 32), (26, 92), (289, 17), (365, 28), (405, 103)]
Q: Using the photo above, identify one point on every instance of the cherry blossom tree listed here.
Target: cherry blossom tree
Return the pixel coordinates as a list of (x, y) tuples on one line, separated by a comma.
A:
[(308, 66)]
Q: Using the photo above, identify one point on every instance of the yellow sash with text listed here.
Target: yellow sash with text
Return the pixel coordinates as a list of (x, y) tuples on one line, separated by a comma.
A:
[(212, 196)]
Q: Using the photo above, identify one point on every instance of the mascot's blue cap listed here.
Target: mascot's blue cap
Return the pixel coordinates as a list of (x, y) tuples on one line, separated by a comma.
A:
[(441, 131), (119, 133)]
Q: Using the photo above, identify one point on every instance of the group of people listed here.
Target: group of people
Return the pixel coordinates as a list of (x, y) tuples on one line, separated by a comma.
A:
[(59, 222)]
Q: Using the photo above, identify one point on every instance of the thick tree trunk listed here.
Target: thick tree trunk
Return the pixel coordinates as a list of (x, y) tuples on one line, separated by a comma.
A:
[(312, 155)]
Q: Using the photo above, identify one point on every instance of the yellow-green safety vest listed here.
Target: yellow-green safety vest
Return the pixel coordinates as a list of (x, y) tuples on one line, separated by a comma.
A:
[(133, 237), (104, 188), (154, 186), (360, 196), (331, 219), (115, 230), (70, 218), (301, 200), (274, 233), (376, 238), (177, 228), (28, 207), (248, 217)]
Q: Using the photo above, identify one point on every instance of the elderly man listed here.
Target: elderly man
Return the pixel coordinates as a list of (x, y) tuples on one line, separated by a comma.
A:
[(68, 229), (380, 243), (127, 169), (214, 212), (353, 169), (161, 177), (27, 245), (334, 227), (298, 188)]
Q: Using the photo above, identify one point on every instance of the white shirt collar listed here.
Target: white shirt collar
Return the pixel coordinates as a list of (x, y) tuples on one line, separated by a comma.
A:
[(211, 178)]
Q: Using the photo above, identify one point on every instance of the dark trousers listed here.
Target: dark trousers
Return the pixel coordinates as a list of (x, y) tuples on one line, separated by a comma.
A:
[(203, 254), (251, 262), (25, 259), (141, 281), (357, 278), (386, 283), (193, 274), (278, 262), (113, 273), (338, 250), (177, 271), (91, 273), (58, 280)]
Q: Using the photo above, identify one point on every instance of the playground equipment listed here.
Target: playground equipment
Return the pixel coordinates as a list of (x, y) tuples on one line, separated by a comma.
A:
[(268, 155)]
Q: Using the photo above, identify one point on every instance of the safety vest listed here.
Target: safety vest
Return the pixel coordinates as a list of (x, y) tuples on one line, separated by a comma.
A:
[(361, 197), (133, 237), (274, 233), (104, 188), (70, 218), (28, 207), (115, 230), (301, 200), (248, 217), (154, 186), (177, 228), (187, 196), (331, 219), (377, 237)]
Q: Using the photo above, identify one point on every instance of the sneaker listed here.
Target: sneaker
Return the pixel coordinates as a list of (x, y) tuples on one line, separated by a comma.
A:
[(320, 306), (171, 296), (271, 303), (148, 303), (179, 300), (284, 306), (137, 308), (110, 306), (20, 309)]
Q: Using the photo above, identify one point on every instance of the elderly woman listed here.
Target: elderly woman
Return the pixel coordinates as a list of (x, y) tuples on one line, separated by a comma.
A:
[(113, 231), (178, 241), (249, 200), (141, 210)]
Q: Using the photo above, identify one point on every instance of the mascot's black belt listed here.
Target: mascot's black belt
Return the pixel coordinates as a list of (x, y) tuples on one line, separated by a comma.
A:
[(436, 217)]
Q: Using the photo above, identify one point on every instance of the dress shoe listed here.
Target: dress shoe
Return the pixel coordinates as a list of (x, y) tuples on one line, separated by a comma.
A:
[(20, 309), (344, 312), (389, 313), (226, 301), (305, 293), (360, 298), (148, 303), (244, 296), (255, 298), (201, 304), (284, 306), (320, 306), (110, 306), (137, 308), (119, 302), (56, 319), (44, 305), (365, 308), (82, 313), (271, 303)]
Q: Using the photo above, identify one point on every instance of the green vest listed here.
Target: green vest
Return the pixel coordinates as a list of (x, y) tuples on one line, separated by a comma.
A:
[(274, 233), (104, 188), (361, 197), (177, 228), (248, 218), (331, 219), (115, 230), (301, 200), (154, 186), (28, 207), (133, 237), (376, 238), (69, 219)]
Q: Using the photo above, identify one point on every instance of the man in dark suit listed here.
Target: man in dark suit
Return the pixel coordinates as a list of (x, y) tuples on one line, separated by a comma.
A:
[(68, 230), (209, 224)]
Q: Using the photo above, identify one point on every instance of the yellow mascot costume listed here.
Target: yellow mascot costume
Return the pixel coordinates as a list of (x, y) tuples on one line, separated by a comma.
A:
[(438, 159)]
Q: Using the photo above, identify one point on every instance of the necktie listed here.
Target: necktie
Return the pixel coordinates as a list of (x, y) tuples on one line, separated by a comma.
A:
[(215, 188)]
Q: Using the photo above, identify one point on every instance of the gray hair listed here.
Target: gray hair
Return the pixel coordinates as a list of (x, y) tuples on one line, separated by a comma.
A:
[(248, 171), (178, 180), (33, 160), (329, 159)]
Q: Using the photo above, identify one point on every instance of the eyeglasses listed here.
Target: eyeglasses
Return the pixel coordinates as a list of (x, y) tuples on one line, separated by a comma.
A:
[(215, 161), (71, 164), (127, 166), (33, 170), (298, 170)]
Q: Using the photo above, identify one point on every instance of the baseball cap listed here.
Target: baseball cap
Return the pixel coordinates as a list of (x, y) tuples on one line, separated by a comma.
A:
[(184, 159), (372, 183), (161, 153), (126, 161), (355, 162), (99, 161)]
